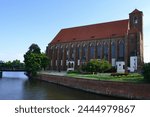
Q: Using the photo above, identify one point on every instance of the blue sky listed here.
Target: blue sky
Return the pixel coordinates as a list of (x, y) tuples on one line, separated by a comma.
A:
[(23, 22)]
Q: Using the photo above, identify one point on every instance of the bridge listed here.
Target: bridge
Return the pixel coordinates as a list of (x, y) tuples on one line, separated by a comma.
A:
[(8, 70)]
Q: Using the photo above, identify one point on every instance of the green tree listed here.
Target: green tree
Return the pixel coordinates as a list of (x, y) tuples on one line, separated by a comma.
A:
[(44, 61), (35, 60), (34, 48), (8, 65), (16, 64), (32, 63)]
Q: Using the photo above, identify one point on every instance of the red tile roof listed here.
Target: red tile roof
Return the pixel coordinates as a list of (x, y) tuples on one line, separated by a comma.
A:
[(91, 32)]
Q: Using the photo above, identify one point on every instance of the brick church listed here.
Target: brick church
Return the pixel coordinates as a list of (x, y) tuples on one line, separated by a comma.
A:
[(120, 42)]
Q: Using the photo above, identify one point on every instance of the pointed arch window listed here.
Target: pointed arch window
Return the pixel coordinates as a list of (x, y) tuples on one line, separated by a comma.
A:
[(78, 52), (67, 54), (92, 50), (72, 53), (60, 53), (106, 51), (99, 49), (121, 50), (56, 52), (84, 52), (113, 50)]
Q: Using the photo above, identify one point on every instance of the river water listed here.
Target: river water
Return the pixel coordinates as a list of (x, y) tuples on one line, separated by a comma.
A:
[(16, 86)]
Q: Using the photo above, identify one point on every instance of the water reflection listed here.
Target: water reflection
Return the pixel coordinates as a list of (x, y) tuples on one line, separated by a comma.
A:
[(22, 88)]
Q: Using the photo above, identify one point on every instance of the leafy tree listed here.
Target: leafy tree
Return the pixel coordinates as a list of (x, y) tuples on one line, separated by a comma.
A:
[(34, 48), (35, 60), (44, 61), (16, 64), (32, 63), (8, 65), (146, 71)]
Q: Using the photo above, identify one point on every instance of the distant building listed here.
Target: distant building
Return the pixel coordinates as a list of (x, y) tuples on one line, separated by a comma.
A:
[(120, 42)]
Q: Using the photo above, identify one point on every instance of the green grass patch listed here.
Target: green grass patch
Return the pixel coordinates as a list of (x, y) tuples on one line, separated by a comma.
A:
[(133, 77)]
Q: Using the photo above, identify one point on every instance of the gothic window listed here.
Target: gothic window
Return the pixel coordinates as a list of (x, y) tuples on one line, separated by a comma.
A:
[(99, 48), (92, 52), (113, 50), (84, 52), (121, 50), (55, 53), (61, 52), (67, 54), (105, 51), (78, 52), (72, 53)]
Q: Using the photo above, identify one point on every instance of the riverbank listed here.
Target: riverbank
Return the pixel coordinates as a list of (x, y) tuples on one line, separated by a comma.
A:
[(117, 89)]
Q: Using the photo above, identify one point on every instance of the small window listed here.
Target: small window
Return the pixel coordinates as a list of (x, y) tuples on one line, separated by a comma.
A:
[(135, 20)]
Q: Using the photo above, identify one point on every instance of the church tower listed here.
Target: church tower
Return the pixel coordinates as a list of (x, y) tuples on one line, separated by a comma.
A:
[(136, 20), (135, 40)]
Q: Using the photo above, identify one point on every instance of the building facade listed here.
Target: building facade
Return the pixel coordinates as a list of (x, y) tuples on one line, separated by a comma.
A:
[(120, 42)]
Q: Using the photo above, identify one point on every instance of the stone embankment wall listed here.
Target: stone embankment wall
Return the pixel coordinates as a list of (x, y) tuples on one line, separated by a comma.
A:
[(118, 89)]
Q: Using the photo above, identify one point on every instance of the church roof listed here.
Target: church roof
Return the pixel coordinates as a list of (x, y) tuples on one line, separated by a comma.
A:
[(92, 32)]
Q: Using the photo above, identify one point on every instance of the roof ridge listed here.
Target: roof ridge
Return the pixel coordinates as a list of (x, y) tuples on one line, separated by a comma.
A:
[(95, 24)]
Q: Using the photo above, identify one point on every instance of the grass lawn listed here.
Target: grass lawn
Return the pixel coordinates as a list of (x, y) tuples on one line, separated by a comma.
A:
[(132, 77)]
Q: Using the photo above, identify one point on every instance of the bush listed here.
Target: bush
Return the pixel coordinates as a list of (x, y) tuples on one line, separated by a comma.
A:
[(146, 71), (94, 66), (104, 66)]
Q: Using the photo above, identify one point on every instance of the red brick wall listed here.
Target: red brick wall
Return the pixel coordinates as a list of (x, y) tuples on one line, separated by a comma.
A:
[(119, 89)]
